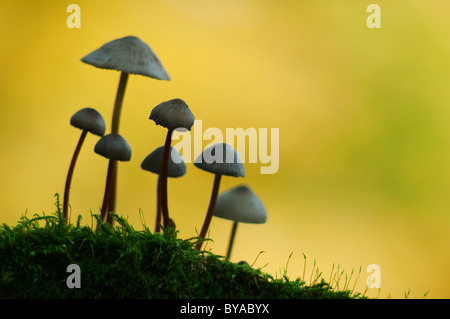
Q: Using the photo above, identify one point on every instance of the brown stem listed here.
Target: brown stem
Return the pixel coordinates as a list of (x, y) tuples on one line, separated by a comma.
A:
[(164, 171), (118, 103), (230, 243), (112, 197), (70, 174), (115, 129), (158, 205), (209, 214), (108, 188)]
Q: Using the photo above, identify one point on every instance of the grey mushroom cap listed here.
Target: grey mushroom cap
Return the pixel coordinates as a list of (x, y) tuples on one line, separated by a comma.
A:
[(90, 120), (113, 146), (129, 54), (153, 162), (221, 159), (173, 114), (240, 204)]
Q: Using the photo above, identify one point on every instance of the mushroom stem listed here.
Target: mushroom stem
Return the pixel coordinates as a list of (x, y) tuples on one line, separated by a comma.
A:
[(118, 103), (212, 204), (233, 234), (112, 207), (115, 129), (164, 172), (70, 173), (108, 189), (158, 206)]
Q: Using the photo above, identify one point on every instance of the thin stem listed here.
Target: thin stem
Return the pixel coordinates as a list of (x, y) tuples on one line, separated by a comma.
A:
[(209, 214), (115, 129), (118, 103), (158, 205), (70, 173), (112, 196), (108, 187), (164, 172), (233, 234)]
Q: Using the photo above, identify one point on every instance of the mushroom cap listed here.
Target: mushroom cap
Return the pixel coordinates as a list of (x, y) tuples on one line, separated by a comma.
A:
[(241, 205), (228, 162), (173, 114), (114, 147), (90, 120), (153, 162), (129, 54)]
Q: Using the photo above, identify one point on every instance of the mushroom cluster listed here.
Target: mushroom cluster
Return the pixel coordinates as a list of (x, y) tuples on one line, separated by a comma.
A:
[(130, 55)]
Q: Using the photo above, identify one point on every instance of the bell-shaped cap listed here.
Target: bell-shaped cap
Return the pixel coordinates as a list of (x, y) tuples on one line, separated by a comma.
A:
[(173, 114), (221, 159), (241, 205), (113, 146), (90, 120), (129, 54), (153, 162)]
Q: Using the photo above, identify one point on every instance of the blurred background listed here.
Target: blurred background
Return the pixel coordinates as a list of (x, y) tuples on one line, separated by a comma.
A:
[(362, 113)]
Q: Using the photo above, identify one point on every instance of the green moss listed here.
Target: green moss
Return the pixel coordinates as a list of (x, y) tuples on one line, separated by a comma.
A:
[(120, 262)]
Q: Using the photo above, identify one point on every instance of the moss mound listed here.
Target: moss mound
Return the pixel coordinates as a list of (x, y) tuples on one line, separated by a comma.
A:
[(121, 262)]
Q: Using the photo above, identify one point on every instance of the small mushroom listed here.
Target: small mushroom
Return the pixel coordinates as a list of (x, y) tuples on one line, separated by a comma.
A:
[(87, 120), (129, 55), (242, 263), (153, 163), (173, 114), (219, 159), (114, 147), (240, 205)]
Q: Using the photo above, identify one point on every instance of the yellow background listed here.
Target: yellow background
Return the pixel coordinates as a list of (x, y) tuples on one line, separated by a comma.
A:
[(363, 115)]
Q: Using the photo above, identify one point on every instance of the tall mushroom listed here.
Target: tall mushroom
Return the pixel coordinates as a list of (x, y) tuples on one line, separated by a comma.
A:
[(241, 205), (87, 120), (114, 147), (153, 163), (219, 159), (129, 55), (173, 114)]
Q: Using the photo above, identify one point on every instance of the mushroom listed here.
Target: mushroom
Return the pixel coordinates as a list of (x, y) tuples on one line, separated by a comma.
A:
[(219, 159), (153, 163), (242, 263), (241, 205), (173, 114), (114, 147), (129, 55), (87, 120)]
